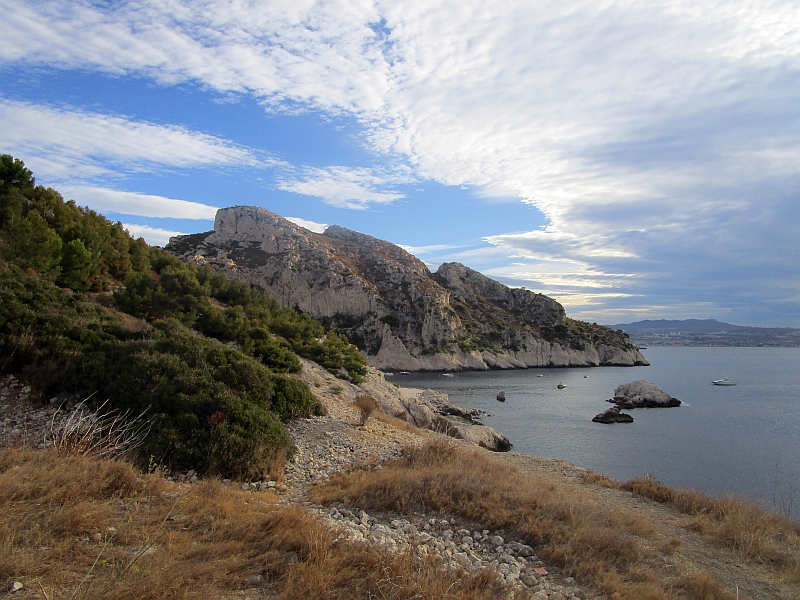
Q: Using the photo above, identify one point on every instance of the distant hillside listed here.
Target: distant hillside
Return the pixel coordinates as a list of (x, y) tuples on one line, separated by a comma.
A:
[(390, 305), (707, 332)]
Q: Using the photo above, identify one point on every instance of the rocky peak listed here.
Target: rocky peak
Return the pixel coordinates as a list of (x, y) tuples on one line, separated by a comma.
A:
[(470, 287), (389, 304)]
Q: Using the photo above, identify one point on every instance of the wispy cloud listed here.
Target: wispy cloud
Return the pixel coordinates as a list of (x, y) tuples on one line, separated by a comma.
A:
[(69, 144), (310, 225), (106, 200), (343, 187), (152, 235), (432, 249)]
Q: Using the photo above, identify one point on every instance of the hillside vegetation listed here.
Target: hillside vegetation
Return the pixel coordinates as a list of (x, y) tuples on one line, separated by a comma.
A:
[(90, 311)]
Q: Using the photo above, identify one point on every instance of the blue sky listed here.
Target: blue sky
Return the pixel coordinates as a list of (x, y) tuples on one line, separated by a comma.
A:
[(633, 160)]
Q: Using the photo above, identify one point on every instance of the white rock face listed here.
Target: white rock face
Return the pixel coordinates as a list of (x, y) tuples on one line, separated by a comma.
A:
[(388, 303), (642, 394)]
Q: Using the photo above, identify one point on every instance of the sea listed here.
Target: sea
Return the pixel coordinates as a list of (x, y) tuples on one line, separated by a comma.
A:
[(742, 440)]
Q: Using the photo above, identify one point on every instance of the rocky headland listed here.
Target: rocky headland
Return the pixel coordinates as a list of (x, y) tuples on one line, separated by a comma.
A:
[(387, 302)]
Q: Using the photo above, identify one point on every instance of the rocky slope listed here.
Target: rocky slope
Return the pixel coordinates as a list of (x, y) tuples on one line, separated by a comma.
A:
[(389, 304)]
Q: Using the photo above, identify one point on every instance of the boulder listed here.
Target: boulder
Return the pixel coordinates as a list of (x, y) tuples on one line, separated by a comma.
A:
[(642, 394), (613, 415)]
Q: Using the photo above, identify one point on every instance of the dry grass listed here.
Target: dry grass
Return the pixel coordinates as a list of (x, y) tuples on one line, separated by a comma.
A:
[(80, 527), (599, 544), (753, 533), (398, 422), (366, 405), (109, 434)]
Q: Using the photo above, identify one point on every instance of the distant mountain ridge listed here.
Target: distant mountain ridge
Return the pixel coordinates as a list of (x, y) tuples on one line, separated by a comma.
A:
[(707, 332), (388, 303)]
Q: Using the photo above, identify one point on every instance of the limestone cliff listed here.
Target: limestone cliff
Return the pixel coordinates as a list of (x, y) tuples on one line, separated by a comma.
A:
[(389, 304)]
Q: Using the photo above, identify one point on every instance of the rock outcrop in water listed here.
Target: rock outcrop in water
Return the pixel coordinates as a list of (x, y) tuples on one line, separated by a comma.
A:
[(390, 305), (642, 394), (613, 415)]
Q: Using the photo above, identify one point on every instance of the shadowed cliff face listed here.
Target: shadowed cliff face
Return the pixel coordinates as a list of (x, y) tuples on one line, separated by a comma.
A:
[(390, 305)]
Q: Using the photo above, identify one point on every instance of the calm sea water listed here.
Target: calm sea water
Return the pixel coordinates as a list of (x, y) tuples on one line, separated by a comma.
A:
[(743, 440)]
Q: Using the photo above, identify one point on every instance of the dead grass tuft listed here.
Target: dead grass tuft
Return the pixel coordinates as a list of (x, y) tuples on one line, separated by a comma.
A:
[(366, 405), (400, 423), (98, 433), (699, 586), (79, 527), (592, 478), (753, 533)]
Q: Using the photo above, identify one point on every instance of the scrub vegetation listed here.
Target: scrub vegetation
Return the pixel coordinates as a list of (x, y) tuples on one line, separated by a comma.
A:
[(90, 311)]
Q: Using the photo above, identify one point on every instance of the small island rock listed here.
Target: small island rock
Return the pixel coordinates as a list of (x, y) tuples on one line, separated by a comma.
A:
[(613, 415), (642, 394), (501, 396)]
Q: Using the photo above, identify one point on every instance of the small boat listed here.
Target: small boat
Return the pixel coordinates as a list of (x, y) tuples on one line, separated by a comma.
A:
[(540, 375), (726, 381), (561, 386), (447, 374), (586, 377), (405, 372), (389, 374)]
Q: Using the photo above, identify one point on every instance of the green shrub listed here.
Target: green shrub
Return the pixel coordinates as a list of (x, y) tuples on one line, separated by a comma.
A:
[(213, 408)]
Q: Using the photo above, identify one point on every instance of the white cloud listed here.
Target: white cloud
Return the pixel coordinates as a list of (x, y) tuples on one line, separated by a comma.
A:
[(155, 236), (432, 249), (343, 187), (310, 225), (66, 145), (105, 200)]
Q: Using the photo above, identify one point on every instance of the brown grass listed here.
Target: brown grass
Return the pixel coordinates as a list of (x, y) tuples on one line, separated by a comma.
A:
[(398, 422), (79, 527), (753, 533), (598, 544), (366, 405)]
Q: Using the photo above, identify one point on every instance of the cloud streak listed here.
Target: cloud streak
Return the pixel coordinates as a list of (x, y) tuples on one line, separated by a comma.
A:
[(64, 144), (343, 187), (106, 200)]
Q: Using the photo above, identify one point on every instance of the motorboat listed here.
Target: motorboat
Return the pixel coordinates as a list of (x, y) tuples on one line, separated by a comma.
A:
[(561, 386), (447, 374), (405, 372), (725, 381), (389, 374), (540, 375)]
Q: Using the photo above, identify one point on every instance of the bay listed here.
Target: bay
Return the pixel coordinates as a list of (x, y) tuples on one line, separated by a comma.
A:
[(743, 440)]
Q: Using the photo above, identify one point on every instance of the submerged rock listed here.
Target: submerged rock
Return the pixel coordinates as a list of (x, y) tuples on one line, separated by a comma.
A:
[(642, 394)]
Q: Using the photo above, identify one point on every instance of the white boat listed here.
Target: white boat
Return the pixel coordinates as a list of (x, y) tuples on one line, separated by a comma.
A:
[(389, 374), (540, 375), (447, 374), (561, 386), (405, 373), (727, 381)]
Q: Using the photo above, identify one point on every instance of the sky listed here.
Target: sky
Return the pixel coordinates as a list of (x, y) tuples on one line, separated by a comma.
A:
[(634, 160)]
